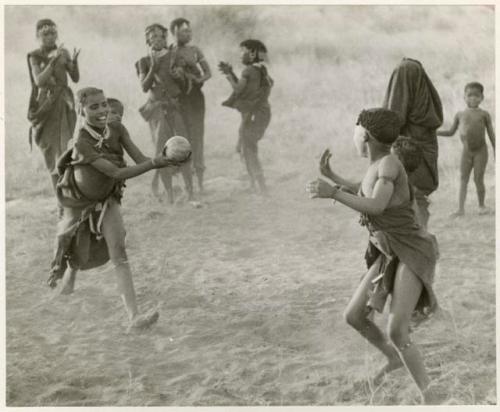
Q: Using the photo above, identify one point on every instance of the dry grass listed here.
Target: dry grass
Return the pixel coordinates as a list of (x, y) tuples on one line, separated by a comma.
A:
[(251, 292)]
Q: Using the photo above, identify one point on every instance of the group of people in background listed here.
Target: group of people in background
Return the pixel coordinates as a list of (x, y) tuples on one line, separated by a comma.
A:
[(399, 138), (87, 166)]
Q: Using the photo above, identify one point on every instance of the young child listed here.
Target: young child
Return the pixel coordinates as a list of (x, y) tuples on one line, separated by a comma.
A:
[(404, 260), (90, 187), (115, 110), (192, 69), (250, 97), (471, 124), (409, 152)]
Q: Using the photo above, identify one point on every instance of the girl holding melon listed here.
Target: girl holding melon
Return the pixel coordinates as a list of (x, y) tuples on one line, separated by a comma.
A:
[(90, 187)]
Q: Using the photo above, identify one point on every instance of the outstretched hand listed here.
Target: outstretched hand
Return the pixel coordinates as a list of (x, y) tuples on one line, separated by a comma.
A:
[(76, 53), (321, 189), (324, 164), (225, 68), (163, 161)]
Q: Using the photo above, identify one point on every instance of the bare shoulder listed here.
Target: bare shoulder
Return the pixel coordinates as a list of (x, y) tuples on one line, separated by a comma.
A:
[(389, 167), (118, 127), (485, 114)]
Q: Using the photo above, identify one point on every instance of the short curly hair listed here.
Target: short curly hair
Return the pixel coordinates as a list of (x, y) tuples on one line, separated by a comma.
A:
[(383, 124), (474, 85)]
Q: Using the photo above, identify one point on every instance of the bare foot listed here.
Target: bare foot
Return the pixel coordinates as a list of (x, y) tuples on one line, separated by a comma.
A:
[(392, 364), (143, 321), (483, 210), (67, 289), (68, 282), (457, 214)]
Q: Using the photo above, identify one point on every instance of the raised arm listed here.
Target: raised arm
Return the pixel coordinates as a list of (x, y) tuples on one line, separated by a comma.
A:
[(238, 85), (325, 170), (72, 66), (382, 191), (41, 76), (350, 185), (384, 187), (147, 73), (452, 130), (490, 130)]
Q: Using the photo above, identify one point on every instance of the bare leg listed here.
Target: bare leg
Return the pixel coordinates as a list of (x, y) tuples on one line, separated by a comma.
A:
[(54, 178), (68, 281), (462, 194), (114, 234), (166, 178), (407, 290), (187, 175), (480, 162), (126, 288), (155, 184), (199, 175), (465, 171), (356, 315)]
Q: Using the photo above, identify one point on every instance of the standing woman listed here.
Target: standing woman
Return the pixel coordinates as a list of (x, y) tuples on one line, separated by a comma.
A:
[(193, 71), (162, 109), (413, 97), (52, 106)]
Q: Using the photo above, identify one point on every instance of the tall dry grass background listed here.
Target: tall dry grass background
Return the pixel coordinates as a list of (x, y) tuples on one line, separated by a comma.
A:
[(328, 63)]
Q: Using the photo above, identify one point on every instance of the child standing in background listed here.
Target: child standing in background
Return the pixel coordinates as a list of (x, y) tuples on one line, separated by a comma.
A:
[(162, 110), (471, 124)]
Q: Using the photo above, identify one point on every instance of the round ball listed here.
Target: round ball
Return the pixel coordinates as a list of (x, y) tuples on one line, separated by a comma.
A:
[(177, 148)]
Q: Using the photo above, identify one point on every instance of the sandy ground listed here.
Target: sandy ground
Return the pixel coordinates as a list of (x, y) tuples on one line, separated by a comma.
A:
[(251, 293)]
